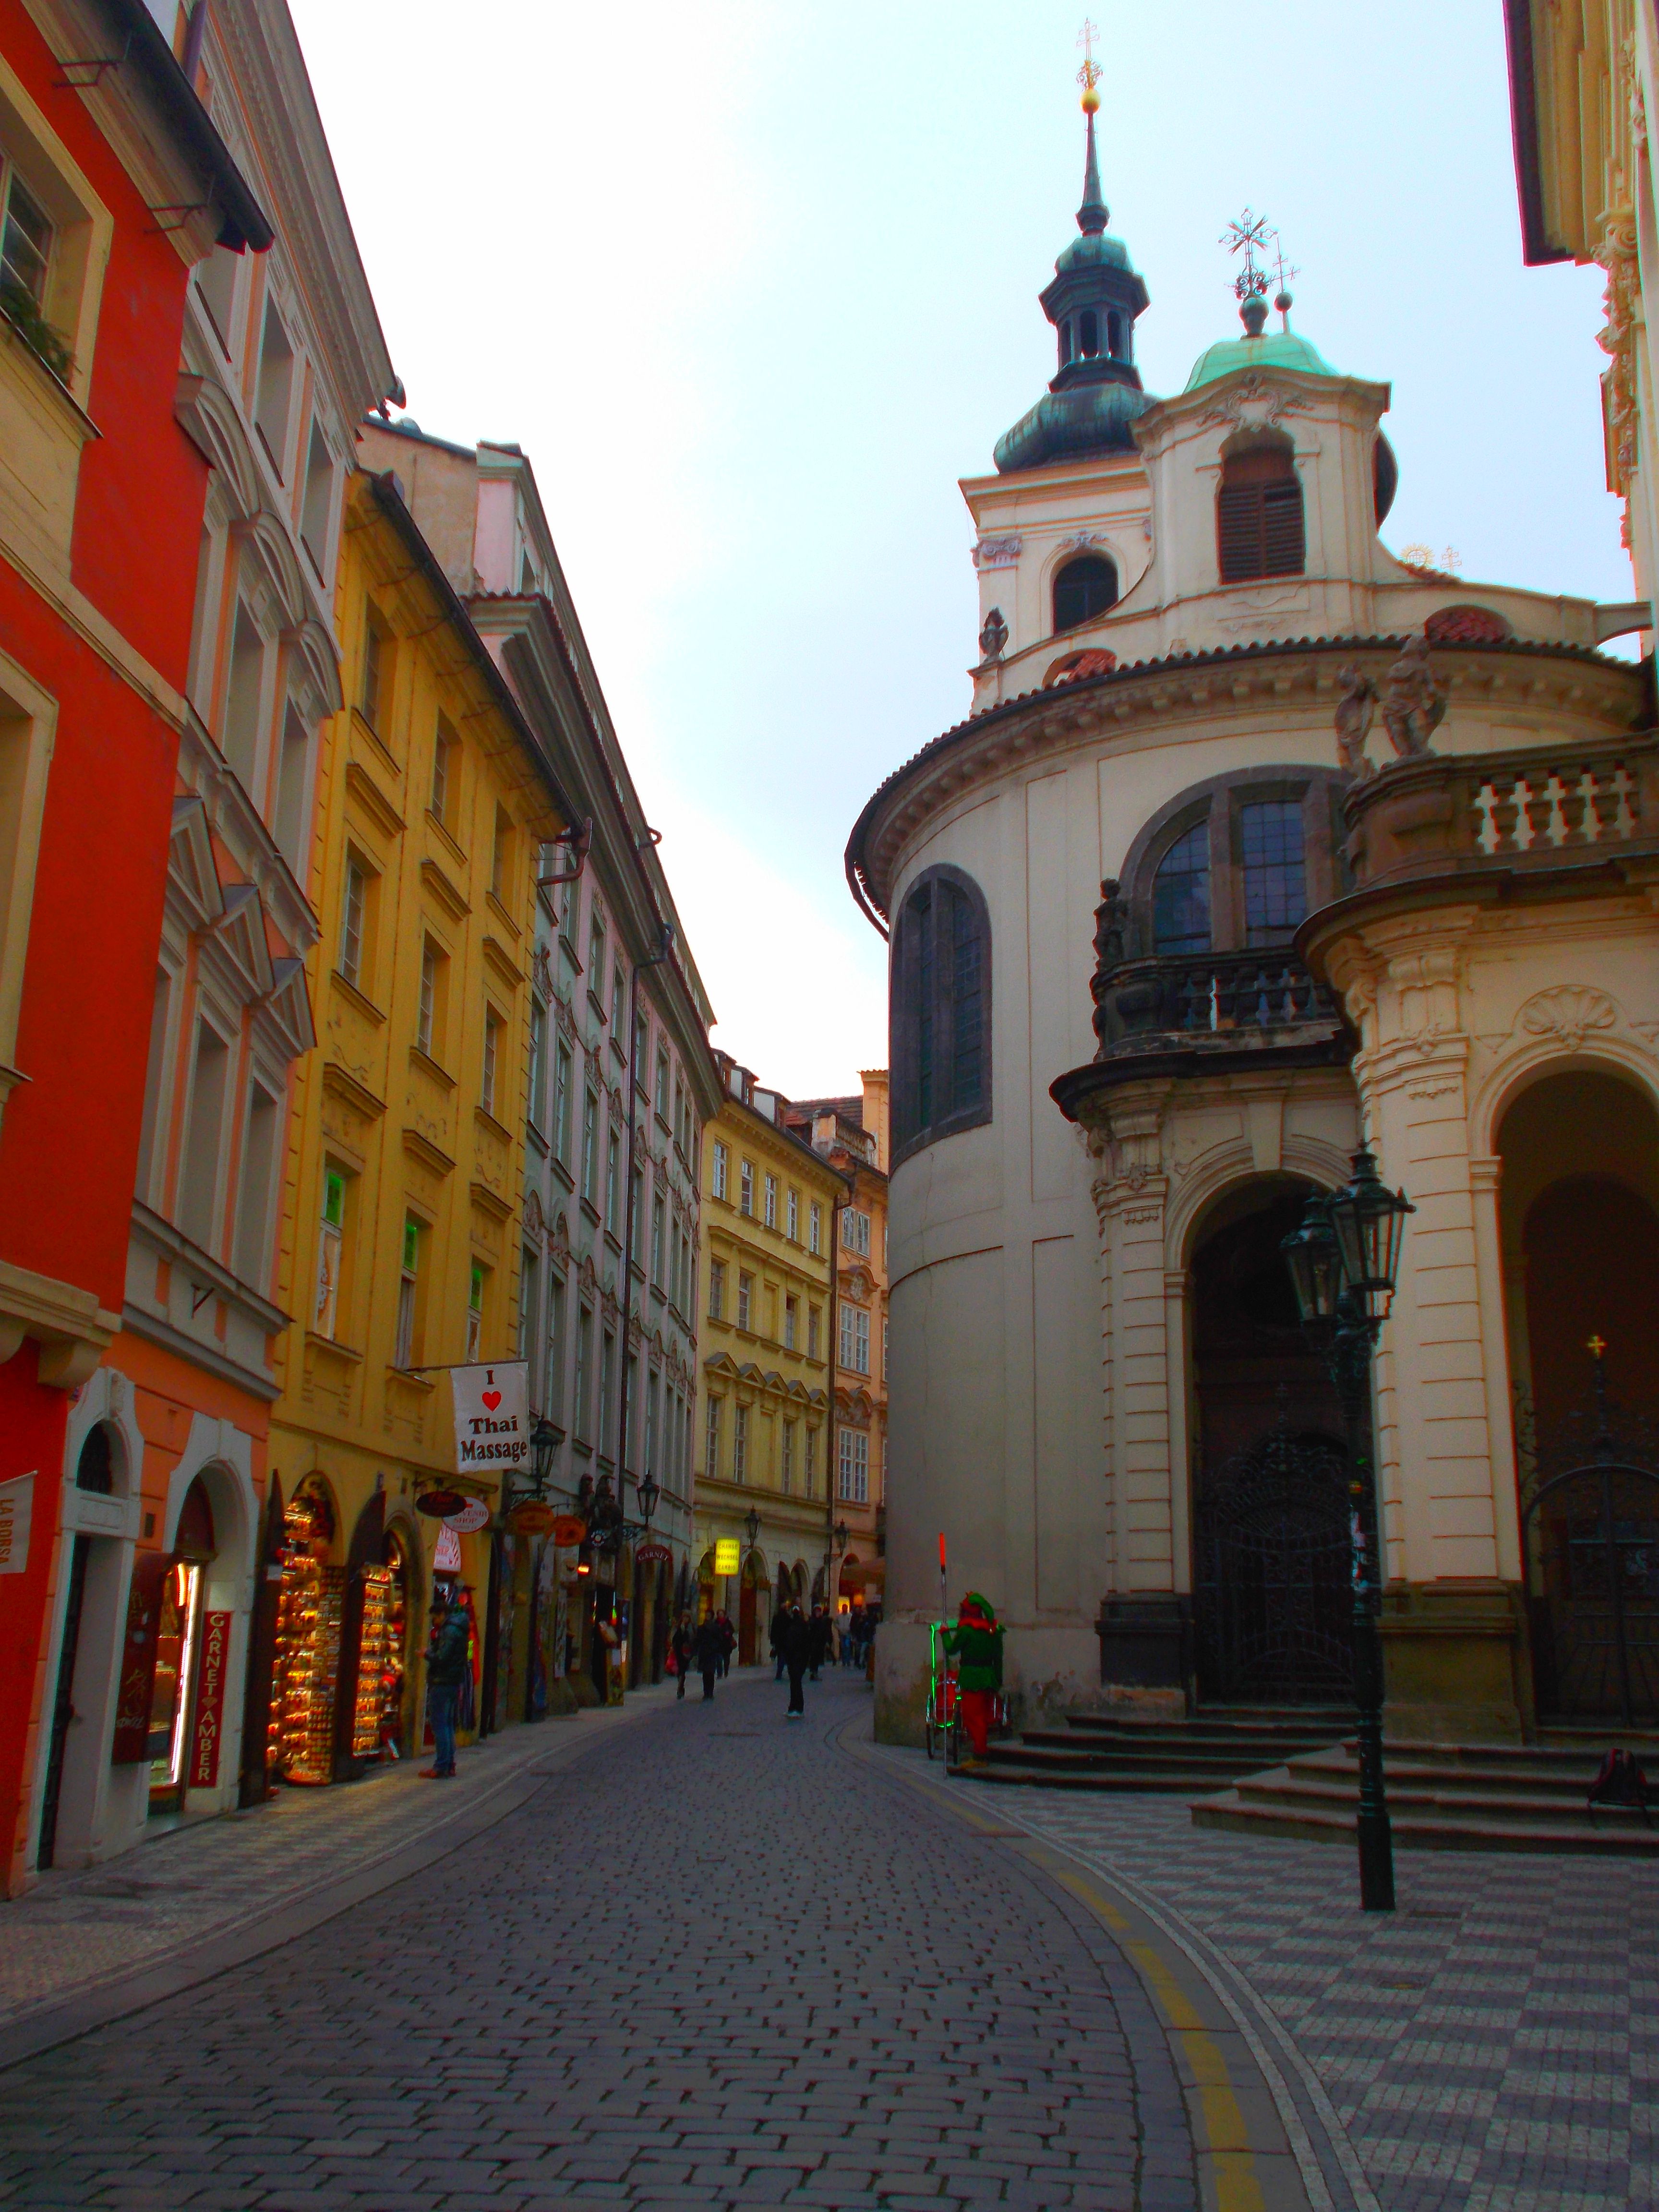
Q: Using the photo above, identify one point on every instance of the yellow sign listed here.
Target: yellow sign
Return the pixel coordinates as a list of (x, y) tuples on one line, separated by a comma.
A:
[(726, 1555)]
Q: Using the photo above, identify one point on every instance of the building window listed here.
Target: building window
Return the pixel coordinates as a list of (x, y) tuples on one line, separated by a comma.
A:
[(618, 993), (443, 756), (352, 916), (712, 1441), (583, 1371), (318, 502), (538, 1063), (718, 1180), (855, 1339), (854, 1487), (658, 1217), (1259, 524), (786, 1471), (561, 1081), (771, 1201), (403, 1353), (814, 1241), (607, 1390), (717, 1290), (475, 1311), (330, 1245), (790, 1315), (740, 1445), (746, 1188), (941, 1001), (612, 1179), (253, 1212), (274, 397), (745, 1299), (590, 1145), (1084, 589), (854, 1231), (492, 1046), (811, 1462), (554, 1399), (1275, 881), (812, 1326), (653, 1392), (25, 238), (500, 855), (199, 1209), (641, 1048), (1180, 895), (794, 1215), (529, 1314), (376, 670), (661, 1100), (596, 954)]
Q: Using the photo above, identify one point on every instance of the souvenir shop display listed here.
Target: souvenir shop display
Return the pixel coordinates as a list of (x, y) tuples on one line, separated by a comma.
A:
[(396, 1645), (309, 1609), (373, 1659)]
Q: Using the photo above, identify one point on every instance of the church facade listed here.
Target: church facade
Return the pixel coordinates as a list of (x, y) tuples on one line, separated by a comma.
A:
[(1258, 844)]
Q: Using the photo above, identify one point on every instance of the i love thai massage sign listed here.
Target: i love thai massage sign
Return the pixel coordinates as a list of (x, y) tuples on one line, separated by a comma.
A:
[(492, 1417)]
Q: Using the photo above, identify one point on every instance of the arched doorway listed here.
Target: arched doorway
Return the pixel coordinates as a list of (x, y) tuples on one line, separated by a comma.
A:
[(1579, 1217), (195, 1546), (306, 1661), (1271, 1595), (95, 1468), (752, 1619)]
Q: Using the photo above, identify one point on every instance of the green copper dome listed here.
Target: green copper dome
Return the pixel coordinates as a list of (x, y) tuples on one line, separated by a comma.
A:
[(1273, 350)]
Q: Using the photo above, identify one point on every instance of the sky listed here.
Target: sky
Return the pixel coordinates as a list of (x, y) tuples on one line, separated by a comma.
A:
[(754, 283)]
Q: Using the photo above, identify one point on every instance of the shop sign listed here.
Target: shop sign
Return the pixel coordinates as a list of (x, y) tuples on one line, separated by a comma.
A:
[(447, 1561), (474, 1516), (492, 1416), (16, 1509), (533, 1517), (210, 1701), (727, 1557), (652, 1555), (568, 1529), (439, 1504)]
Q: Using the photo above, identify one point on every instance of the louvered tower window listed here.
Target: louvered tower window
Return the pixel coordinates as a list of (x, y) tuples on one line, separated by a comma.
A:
[(1259, 530)]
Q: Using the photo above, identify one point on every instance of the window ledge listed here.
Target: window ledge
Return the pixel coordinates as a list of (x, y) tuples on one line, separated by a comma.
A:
[(436, 823), (482, 1113), (494, 898), (537, 1141), (332, 1347), (51, 385), (409, 1378), (348, 989), (426, 1062)]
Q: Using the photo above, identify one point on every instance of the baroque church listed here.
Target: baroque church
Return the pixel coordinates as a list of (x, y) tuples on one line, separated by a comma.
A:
[(1257, 842)]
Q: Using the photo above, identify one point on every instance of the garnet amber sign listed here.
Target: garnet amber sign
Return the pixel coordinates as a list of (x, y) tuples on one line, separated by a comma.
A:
[(210, 1701)]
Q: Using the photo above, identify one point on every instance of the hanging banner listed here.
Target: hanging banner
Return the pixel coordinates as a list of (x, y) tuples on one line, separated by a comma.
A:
[(492, 1416), (446, 1560), (16, 1506), (652, 1555), (534, 1518), (474, 1516), (210, 1701)]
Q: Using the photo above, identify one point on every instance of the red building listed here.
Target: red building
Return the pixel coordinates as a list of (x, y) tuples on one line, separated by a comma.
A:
[(114, 183)]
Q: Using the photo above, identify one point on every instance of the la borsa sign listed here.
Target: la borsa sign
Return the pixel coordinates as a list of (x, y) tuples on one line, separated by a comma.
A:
[(492, 1419)]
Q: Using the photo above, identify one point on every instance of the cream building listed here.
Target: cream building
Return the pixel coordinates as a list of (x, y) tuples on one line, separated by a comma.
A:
[(1162, 950)]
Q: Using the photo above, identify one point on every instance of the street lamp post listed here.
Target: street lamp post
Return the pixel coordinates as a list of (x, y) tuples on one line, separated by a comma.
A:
[(1343, 1262), (647, 1492)]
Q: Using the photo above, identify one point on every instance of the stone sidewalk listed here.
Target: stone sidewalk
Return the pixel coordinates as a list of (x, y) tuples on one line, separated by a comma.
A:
[(1491, 2046)]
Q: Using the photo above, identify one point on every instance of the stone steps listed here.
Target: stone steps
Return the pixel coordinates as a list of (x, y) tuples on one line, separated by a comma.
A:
[(1101, 1752), (1476, 1797)]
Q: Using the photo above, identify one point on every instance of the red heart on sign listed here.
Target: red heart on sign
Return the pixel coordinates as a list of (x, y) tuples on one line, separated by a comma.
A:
[(491, 1397)]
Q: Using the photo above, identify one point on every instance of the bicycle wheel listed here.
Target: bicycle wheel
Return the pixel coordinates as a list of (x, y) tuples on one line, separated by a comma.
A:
[(930, 1735)]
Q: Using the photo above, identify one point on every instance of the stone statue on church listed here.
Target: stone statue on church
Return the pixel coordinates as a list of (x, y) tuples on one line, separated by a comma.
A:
[(1412, 701), (1355, 712), (994, 635), (1111, 925)]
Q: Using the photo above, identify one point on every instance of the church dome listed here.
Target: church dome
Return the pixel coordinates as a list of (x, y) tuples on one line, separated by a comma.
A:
[(1286, 349), (1083, 418)]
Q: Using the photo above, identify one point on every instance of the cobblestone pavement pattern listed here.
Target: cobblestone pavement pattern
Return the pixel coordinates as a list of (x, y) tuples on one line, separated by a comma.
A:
[(716, 1962), (1491, 2046)]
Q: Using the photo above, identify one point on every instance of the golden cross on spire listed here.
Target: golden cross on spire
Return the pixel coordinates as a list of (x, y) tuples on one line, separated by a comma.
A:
[(1089, 75), (1596, 1346)]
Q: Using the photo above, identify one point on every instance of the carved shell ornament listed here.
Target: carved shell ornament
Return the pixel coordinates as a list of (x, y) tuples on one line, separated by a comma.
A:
[(1568, 1013)]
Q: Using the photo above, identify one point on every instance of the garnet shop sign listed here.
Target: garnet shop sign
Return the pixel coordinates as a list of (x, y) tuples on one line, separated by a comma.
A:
[(210, 1701), (492, 1422)]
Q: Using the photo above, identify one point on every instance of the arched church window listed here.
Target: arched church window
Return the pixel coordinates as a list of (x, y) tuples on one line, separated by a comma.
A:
[(1064, 344), (1180, 894), (941, 1011), (1115, 336), (1258, 526), (1275, 879), (94, 1470), (1088, 327), (1083, 588)]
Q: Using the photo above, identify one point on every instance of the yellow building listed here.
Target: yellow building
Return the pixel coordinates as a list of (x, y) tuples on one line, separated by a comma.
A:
[(765, 1416), (405, 1156)]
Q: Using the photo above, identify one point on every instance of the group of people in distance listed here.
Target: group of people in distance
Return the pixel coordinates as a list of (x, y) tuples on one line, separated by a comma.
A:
[(800, 1645)]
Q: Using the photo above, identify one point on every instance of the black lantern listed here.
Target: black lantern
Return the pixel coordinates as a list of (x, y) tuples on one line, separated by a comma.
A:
[(1368, 1220), (1314, 1259), (841, 1533), (545, 1442), (648, 1492), (752, 1526)]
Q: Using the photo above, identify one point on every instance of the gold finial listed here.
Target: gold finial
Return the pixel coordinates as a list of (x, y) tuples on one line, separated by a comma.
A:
[(1596, 1346), (1089, 75)]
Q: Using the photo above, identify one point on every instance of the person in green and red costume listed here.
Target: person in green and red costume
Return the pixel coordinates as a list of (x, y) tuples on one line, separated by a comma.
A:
[(974, 1639)]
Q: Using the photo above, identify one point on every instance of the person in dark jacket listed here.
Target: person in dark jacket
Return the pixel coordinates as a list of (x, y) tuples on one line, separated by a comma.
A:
[(817, 1639), (710, 1648), (775, 1640), (976, 1642), (445, 1663), (794, 1649), (728, 1641), (683, 1642)]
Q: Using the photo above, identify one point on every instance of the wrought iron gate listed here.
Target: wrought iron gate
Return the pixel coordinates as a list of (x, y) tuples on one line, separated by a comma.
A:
[(1273, 1561), (1589, 1520)]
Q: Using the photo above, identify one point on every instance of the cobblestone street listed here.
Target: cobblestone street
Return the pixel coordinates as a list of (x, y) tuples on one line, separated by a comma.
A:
[(715, 1961)]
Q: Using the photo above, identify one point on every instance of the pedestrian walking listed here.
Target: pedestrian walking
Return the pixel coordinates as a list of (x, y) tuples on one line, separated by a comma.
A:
[(446, 1663), (817, 1639), (976, 1640), (682, 1645), (775, 1640), (728, 1641), (708, 1649), (794, 1641)]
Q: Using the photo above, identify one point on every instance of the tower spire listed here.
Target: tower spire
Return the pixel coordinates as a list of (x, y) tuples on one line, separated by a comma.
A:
[(1092, 216)]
